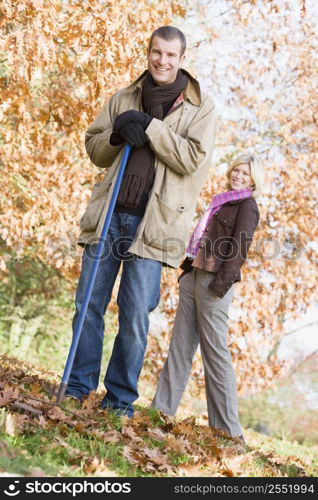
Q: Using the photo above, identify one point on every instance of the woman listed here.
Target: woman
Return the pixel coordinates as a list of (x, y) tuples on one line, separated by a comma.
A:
[(215, 254)]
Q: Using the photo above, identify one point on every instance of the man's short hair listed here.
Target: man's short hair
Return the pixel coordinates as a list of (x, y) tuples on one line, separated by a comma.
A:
[(169, 33)]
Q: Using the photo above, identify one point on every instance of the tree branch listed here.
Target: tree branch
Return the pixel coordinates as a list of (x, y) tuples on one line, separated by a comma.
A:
[(277, 344)]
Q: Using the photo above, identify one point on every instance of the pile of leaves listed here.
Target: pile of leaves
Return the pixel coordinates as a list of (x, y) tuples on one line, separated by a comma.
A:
[(149, 444)]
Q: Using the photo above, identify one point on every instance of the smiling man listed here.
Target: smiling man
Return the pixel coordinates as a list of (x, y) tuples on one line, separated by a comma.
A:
[(171, 125), (165, 57)]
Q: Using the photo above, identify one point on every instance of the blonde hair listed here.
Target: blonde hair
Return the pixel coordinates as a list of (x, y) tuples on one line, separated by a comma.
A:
[(256, 169)]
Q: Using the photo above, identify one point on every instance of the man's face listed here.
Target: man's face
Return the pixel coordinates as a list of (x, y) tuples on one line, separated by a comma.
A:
[(164, 60)]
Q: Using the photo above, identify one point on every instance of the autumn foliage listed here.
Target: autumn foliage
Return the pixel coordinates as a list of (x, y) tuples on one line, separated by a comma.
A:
[(61, 60)]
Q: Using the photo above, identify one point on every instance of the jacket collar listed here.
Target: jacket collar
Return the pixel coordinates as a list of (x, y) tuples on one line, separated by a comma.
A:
[(191, 93), (235, 202)]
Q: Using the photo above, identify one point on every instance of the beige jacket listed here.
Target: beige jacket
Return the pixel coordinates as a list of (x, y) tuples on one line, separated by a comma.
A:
[(183, 143)]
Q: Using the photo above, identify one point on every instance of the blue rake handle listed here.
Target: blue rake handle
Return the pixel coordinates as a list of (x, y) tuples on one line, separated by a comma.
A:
[(89, 287)]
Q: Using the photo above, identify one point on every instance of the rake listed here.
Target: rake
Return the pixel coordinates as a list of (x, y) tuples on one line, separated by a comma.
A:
[(90, 284)]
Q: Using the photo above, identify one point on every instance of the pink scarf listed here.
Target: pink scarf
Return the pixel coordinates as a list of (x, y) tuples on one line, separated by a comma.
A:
[(216, 203)]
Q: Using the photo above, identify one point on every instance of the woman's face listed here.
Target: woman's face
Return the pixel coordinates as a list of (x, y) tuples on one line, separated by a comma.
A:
[(240, 177)]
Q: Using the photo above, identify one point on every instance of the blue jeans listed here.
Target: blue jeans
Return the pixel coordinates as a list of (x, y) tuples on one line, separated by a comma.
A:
[(139, 293)]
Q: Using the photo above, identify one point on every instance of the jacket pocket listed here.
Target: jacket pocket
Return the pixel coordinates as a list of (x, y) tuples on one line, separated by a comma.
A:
[(91, 216), (167, 228), (225, 221)]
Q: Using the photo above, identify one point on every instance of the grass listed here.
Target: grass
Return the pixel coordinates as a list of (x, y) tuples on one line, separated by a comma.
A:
[(59, 452), (285, 448)]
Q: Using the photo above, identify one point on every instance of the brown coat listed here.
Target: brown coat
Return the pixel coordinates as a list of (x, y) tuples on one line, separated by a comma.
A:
[(225, 244)]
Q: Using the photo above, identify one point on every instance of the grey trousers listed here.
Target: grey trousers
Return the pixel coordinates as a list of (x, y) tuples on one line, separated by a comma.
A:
[(201, 318)]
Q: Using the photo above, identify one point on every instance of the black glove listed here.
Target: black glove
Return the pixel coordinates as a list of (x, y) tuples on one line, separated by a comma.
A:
[(115, 139), (132, 116), (130, 127), (132, 133)]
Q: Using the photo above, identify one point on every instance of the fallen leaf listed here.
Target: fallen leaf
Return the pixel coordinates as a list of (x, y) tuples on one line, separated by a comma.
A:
[(157, 434), (146, 458), (111, 437), (36, 390), (178, 445), (56, 413), (92, 401), (8, 395), (34, 403), (91, 465), (184, 429), (141, 420), (226, 471), (131, 455), (155, 456), (97, 467), (80, 426), (214, 450), (170, 471), (233, 467), (14, 423), (128, 431)]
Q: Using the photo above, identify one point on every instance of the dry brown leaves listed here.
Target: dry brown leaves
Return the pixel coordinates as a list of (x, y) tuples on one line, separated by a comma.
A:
[(160, 445)]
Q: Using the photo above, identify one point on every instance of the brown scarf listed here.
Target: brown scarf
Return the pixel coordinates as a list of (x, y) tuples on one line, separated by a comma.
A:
[(140, 171)]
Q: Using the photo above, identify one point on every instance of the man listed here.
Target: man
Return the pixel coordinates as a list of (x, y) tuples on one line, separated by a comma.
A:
[(171, 127)]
